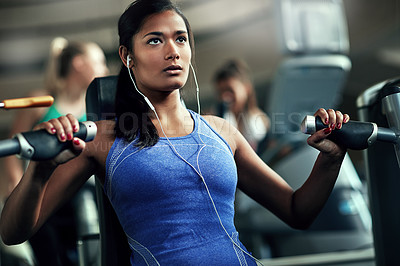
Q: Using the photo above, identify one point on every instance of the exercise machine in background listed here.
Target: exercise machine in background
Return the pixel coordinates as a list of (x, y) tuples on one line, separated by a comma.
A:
[(314, 41), (381, 104), (39, 145)]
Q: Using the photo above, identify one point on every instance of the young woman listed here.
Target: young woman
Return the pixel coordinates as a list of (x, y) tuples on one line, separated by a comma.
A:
[(70, 69), (170, 174), (71, 66)]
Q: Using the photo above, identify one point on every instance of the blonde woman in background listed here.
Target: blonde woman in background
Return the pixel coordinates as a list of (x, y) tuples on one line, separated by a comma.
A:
[(71, 67)]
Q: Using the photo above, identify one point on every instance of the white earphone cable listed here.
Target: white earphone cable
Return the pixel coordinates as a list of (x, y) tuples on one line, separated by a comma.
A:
[(203, 180), (198, 171), (197, 89)]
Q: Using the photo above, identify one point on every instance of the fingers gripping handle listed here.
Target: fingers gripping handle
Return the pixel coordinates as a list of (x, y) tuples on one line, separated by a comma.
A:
[(353, 134), (39, 145)]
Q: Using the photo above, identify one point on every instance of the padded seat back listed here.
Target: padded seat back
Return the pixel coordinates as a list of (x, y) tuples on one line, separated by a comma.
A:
[(115, 250)]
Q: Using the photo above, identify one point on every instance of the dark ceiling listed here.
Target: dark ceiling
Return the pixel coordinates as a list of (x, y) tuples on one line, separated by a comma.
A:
[(223, 29)]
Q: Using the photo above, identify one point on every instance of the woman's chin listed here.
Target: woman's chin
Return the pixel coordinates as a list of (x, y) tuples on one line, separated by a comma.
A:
[(176, 85)]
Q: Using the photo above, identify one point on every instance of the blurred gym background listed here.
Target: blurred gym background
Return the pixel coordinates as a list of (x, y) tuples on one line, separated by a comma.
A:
[(223, 29)]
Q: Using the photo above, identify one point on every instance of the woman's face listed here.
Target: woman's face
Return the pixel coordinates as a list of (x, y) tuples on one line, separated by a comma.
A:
[(94, 63), (234, 92), (161, 53)]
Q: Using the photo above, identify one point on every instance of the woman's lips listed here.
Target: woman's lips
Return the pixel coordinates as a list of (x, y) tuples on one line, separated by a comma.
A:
[(175, 69)]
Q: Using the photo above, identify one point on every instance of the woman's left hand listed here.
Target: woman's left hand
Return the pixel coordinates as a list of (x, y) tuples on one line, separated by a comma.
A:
[(334, 120)]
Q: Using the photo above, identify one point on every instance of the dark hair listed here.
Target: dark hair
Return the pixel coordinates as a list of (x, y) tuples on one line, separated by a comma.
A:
[(132, 113), (67, 55), (233, 68), (61, 54)]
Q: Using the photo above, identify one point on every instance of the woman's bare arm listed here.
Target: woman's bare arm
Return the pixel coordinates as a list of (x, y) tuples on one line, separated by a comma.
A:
[(45, 186), (297, 208)]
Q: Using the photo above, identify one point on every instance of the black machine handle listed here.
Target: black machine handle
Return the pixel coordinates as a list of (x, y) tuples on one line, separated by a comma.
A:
[(354, 135), (40, 145)]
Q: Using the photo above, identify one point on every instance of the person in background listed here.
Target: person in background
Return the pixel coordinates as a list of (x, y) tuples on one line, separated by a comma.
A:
[(72, 65), (238, 103), (169, 172)]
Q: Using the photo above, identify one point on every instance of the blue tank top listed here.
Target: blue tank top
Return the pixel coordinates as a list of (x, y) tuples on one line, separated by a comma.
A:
[(163, 205)]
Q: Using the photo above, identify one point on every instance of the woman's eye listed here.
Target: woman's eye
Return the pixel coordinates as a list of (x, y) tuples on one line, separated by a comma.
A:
[(154, 41), (181, 39)]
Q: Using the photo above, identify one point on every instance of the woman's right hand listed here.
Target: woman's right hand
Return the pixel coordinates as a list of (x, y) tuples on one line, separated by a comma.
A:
[(64, 127), (335, 119)]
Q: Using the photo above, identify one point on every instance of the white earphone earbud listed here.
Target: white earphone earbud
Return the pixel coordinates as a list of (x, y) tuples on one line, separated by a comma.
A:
[(128, 60)]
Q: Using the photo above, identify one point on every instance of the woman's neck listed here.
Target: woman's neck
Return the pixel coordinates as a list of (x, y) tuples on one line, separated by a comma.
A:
[(175, 119), (70, 96), (71, 102)]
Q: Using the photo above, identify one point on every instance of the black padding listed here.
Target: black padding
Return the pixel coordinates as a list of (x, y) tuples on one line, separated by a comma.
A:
[(115, 250)]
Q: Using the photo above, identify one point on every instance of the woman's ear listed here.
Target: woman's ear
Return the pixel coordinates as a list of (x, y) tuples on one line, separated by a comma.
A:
[(123, 54)]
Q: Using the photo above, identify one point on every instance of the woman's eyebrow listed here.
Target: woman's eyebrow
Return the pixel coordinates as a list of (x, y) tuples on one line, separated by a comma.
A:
[(159, 33), (178, 32)]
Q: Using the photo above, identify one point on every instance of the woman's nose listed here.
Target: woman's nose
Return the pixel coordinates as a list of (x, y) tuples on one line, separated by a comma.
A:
[(172, 51)]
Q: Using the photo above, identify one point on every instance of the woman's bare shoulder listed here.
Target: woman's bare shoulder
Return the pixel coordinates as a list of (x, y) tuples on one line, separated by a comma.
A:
[(219, 124), (224, 128), (38, 92), (104, 139), (105, 127)]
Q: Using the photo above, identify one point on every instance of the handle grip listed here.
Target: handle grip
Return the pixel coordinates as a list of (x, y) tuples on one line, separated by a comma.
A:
[(40, 101), (354, 135), (40, 145), (9, 147)]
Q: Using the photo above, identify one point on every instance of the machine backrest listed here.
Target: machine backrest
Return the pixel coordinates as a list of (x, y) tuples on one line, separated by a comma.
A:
[(114, 245), (314, 41)]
